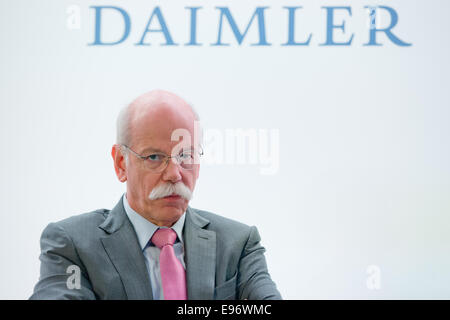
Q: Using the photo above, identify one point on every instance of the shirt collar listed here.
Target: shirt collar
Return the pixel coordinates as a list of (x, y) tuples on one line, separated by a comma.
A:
[(145, 229)]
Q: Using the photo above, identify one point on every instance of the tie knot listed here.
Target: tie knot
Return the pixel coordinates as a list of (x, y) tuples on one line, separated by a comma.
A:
[(163, 237)]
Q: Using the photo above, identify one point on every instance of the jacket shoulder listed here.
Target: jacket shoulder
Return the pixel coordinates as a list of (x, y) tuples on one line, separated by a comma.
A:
[(226, 227), (84, 223)]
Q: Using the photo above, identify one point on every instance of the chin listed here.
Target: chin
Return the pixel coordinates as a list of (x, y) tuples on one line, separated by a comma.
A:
[(172, 213)]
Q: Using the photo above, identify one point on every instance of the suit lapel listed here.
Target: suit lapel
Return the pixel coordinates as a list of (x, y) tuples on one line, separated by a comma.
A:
[(122, 247), (200, 251)]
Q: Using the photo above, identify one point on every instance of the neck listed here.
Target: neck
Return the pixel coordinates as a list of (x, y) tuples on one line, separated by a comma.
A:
[(159, 223)]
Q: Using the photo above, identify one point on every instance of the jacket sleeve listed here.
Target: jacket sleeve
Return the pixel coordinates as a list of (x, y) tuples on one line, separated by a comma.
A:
[(62, 274), (254, 282)]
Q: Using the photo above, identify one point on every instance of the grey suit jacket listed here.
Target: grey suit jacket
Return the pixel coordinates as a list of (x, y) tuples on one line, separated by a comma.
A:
[(224, 259)]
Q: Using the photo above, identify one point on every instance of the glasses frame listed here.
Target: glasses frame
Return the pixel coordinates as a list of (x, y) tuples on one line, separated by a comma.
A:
[(166, 157)]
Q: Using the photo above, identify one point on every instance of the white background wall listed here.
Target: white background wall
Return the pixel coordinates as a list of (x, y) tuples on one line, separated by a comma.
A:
[(364, 175)]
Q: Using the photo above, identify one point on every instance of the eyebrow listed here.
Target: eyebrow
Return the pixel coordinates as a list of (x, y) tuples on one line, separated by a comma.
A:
[(150, 149)]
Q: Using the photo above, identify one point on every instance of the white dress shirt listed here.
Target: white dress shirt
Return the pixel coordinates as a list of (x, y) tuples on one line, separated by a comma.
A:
[(144, 231)]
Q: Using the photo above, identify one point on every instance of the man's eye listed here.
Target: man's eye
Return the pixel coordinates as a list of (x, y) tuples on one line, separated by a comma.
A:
[(155, 157)]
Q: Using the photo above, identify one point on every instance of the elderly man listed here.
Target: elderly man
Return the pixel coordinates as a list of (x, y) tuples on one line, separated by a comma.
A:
[(152, 245)]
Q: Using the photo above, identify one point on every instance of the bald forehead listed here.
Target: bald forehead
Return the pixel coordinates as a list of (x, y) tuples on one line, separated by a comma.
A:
[(155, 115), (159, 102)]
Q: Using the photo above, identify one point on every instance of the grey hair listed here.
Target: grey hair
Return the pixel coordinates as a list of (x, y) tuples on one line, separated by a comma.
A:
[(123, 126), (123, 131)]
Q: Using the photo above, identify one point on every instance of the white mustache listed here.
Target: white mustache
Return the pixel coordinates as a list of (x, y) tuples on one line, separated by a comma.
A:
[(168, 189)]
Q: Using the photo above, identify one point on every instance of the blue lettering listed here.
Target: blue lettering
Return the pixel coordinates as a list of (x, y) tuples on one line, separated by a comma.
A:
[(98, 25), (193, 37), (331, 26), (374, 30), (157, 12), (259, 12), (291, 28)]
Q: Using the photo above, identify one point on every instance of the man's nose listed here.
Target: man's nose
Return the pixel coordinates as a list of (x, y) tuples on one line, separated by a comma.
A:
[(172, 172)]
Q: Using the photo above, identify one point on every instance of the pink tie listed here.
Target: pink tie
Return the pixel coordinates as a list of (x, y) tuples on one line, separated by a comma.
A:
[(173, 276)]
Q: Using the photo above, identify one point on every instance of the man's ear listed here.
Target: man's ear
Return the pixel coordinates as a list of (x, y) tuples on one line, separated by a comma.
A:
[(119, 163)]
